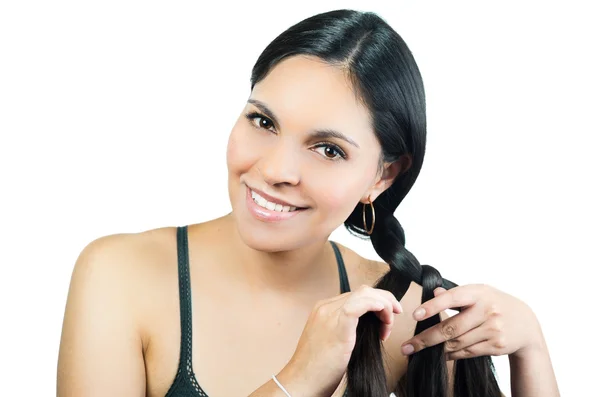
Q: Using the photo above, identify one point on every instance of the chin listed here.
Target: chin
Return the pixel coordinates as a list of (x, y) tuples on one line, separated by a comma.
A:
[(262, 239)]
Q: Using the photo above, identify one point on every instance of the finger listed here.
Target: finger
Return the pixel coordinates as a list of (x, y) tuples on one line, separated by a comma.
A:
[(354, 305), (438, 291), (354, 308), (461, 296), (358, 305), (386, 316), (449, 329), (396, 306), (473, 337), (370, 291), (477, 350), (484, 341)]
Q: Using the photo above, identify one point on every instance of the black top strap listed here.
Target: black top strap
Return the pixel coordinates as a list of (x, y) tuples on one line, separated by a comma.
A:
[(344, 284), (185, 300)]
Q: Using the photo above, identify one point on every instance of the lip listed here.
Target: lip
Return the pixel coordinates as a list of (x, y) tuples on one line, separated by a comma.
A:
[(274, 199), (266, 215)]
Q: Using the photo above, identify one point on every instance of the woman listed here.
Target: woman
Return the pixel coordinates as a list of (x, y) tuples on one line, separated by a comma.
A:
[(333, 132)]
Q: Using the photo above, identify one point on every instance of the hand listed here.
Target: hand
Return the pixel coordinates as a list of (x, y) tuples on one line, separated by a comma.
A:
[(326, 344), (491, 323)]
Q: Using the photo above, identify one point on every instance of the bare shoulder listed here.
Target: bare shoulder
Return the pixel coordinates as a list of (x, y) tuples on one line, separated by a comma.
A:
[(114, 252), (121, 262), (101, 346), (138, 266)]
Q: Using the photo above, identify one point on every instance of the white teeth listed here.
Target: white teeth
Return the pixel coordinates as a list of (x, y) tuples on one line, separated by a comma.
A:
[(261, 201)]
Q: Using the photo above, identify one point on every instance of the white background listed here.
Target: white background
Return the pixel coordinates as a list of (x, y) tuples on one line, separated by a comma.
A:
[(114, 117)]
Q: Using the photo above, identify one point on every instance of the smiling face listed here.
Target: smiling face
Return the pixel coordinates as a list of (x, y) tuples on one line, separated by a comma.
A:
[(303, 140)]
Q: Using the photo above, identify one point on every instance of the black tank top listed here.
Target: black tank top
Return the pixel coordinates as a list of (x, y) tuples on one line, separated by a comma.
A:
[(185, 383)]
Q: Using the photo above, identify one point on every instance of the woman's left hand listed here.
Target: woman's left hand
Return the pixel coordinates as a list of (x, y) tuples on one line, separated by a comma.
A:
[(491, 323)]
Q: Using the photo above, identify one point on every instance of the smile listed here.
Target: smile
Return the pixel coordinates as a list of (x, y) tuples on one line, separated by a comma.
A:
[(271, 210), (271, 206)]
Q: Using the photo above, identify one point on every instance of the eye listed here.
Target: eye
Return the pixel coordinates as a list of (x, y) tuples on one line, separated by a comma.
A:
[(263, 122), (330, 151)]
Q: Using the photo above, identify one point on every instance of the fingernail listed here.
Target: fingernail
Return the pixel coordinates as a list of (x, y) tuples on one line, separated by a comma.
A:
[(407, 349), (419, 313)]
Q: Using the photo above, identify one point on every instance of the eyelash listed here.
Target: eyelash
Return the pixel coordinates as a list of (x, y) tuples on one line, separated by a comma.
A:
[(254, 115)]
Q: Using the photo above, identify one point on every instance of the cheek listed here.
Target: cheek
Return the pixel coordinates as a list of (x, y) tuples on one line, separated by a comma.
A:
[(240, 153), (340, 192)]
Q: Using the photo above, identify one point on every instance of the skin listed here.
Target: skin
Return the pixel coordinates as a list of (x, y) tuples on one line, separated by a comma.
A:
[(255, 284), (121, 332)]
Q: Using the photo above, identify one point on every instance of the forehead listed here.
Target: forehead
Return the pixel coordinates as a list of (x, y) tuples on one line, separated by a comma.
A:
[(306, 90)]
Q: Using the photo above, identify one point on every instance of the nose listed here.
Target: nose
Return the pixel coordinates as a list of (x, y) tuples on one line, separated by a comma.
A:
[(279, 164)]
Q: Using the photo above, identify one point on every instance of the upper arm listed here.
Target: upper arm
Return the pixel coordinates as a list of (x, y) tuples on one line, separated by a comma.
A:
[(101, 351)]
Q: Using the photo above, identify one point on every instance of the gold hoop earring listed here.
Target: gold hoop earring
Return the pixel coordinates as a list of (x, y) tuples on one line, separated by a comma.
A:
[(369, 231)]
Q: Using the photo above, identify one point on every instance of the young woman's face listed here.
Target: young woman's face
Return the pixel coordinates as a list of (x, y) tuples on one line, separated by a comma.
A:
[(303, 141)]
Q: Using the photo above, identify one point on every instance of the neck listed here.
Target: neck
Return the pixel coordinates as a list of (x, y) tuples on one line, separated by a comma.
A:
[(306, 270)]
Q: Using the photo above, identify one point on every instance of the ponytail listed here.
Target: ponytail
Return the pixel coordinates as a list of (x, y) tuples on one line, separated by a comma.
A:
[(427, 374)]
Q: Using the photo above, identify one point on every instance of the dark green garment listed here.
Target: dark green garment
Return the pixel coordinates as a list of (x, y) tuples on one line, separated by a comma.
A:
[(185, 383)]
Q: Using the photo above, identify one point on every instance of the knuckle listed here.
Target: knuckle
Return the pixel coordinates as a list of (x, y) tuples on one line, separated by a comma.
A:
[(448, 331), (389, 295), (322, 311), (495, 325), (468, 352), (499, 343), (346, 311), (364, 288), (419, 344), (492, 311), (452, 345), (386, 303)]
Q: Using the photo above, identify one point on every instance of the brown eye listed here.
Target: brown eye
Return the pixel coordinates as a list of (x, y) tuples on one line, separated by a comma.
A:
[(329, 151), (259, 121), (264, 123)]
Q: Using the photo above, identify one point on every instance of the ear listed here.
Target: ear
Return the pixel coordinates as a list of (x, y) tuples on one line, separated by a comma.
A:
[(388, 176)]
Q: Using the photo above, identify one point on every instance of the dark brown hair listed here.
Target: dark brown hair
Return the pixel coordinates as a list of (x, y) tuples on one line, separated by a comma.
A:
[(386, 78)]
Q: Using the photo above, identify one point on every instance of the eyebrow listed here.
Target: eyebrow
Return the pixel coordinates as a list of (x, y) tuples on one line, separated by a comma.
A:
[(320, 133)]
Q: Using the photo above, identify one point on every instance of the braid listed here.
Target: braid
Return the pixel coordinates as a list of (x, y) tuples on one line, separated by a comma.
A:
[(427, 374), (385, 77)]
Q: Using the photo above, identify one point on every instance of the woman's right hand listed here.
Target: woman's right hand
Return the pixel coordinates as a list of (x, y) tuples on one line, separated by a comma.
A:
[(325, 346)]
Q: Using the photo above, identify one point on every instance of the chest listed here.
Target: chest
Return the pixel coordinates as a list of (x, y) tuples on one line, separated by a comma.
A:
[(237, 344)]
